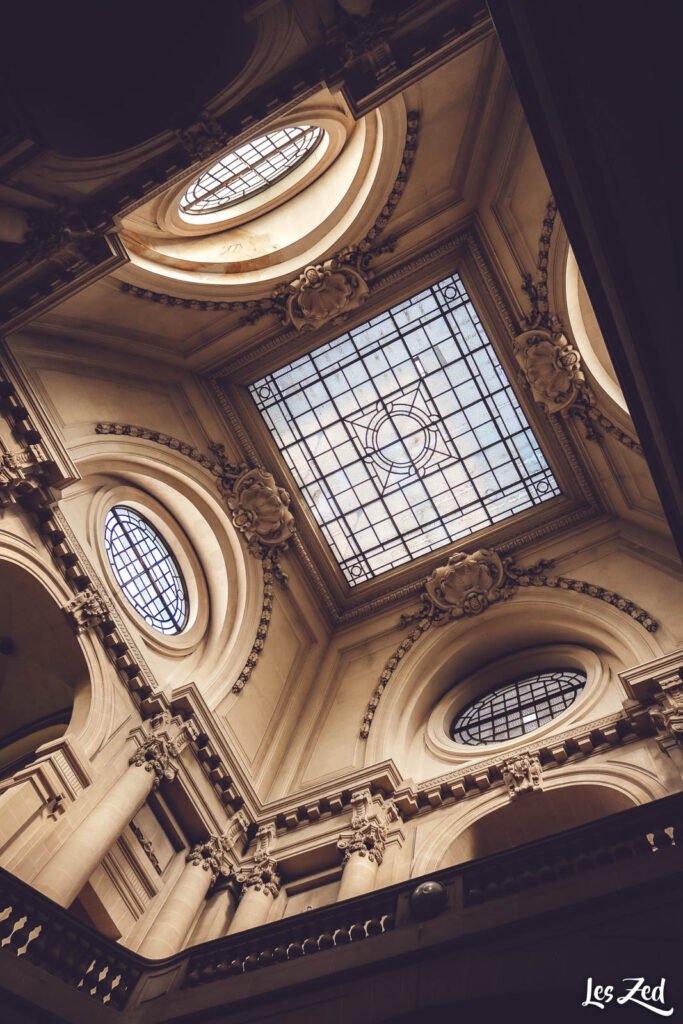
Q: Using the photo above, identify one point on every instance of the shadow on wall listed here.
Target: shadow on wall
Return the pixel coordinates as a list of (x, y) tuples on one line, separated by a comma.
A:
[(532, 816), (41, 668)]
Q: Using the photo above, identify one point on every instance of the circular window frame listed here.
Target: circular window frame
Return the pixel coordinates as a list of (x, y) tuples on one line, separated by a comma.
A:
[(514, 666), (336, 132), (180, 548)]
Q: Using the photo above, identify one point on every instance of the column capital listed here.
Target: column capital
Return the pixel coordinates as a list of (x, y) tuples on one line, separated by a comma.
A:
[(210, 856), (262, 875), (370, 822), (154, 755)]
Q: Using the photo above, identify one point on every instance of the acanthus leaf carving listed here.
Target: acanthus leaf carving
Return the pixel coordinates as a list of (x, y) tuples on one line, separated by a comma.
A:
[(262, 874), (367, 835), (211, 855)]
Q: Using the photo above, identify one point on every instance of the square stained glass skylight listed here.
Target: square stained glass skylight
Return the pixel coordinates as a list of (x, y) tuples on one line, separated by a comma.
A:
[(404, 433)]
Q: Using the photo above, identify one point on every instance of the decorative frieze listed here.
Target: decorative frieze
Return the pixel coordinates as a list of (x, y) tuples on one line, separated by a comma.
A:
[(467, 585), (522, 774)]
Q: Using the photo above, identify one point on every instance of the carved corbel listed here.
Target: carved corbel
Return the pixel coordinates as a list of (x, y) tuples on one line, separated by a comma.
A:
[(87, 610), (21, 473), (522, 774)]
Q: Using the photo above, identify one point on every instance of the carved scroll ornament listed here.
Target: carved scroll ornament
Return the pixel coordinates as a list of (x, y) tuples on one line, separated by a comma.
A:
[(552, 368), (326, 292), (549, 363), (260, 509)]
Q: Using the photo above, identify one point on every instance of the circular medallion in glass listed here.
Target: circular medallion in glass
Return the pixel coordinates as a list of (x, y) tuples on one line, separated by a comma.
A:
[(518, 707), (250, 169), (145, 569)]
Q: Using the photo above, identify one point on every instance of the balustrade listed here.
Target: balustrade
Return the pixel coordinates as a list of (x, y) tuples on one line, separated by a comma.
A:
[(40, 930)]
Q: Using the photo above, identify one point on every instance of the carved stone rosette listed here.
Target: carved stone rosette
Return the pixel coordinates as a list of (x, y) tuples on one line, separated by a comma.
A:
[(87, 610), (522, 774)]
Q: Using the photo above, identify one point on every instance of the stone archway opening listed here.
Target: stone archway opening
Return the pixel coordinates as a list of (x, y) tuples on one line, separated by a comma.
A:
[(533, 816)]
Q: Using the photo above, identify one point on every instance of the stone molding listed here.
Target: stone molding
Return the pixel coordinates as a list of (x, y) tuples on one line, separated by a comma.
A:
[(467, 585), (522, 774)]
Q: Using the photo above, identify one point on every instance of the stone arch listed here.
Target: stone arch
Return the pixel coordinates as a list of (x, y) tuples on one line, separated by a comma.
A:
[(494, 822), (45, 676)]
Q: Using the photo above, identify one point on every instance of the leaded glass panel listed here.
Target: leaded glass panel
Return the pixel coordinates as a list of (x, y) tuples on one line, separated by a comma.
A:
[(145, 570), (250, 169), (518, 707), (404, 433)]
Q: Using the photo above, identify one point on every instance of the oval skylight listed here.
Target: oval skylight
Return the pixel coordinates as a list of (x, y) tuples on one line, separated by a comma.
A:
[(250, 169), (518, 707)]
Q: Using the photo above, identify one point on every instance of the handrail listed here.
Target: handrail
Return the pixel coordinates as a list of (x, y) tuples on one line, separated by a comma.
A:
[(33, 926)]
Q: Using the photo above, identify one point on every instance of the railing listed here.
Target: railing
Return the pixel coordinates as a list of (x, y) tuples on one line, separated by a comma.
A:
[(34, 927)]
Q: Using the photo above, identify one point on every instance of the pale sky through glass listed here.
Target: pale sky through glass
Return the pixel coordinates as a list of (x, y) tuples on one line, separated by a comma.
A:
[(404, 433)]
